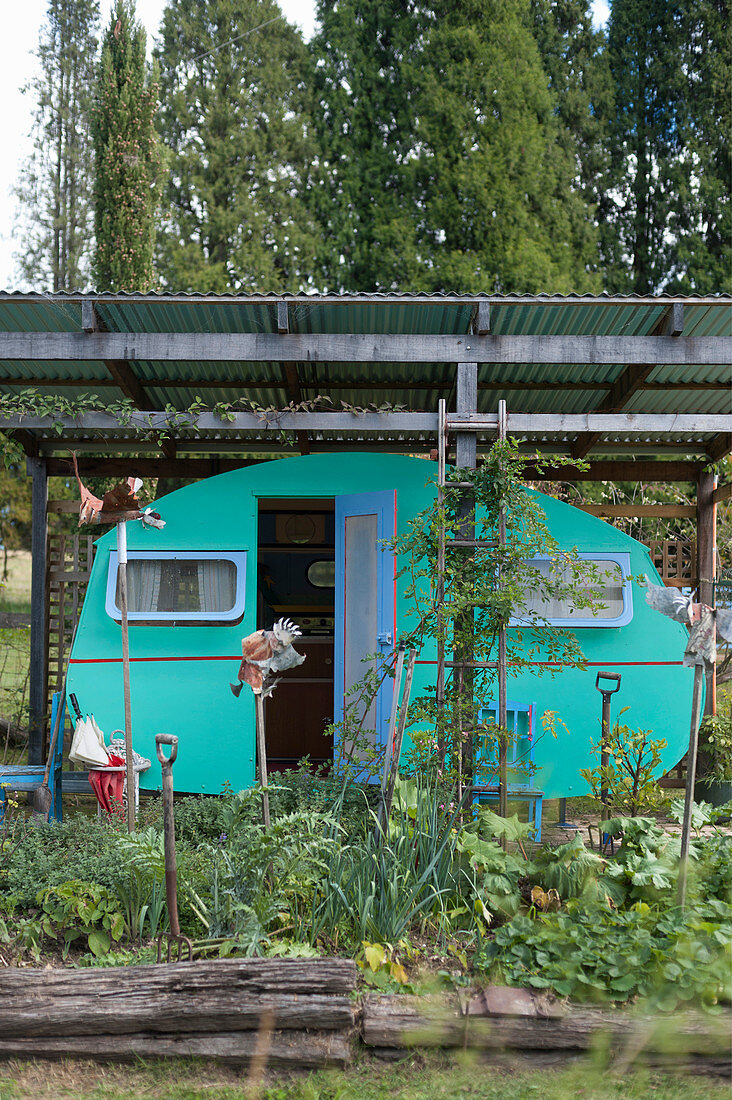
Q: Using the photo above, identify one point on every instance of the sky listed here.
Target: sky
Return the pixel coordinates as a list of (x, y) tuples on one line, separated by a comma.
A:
[(21, 25)]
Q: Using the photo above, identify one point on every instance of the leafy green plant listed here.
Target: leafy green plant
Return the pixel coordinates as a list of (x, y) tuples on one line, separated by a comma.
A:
[(76, 909), (600, 953), (715, 732), (139, 882), (634, 759), (80, 848), (463, 599)]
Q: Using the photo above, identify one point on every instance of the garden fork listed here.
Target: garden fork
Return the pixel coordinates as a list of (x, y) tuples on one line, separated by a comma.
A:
[(173, 937)]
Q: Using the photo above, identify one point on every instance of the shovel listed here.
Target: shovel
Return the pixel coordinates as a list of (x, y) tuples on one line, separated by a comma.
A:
[(173, 938), (42, 797)]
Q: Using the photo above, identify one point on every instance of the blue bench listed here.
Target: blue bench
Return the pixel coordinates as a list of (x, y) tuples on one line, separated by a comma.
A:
[(29, 777), (520, 756)]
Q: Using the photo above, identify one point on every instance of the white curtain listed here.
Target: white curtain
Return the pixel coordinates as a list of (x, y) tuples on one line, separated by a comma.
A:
[(216, 585), (143, 585)]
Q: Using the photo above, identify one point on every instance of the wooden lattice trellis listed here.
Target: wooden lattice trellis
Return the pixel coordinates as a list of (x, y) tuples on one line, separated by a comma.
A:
[(675, 560), (69, 560)]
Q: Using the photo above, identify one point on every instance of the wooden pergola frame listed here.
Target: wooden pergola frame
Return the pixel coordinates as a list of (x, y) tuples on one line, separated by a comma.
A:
[(204, 445)]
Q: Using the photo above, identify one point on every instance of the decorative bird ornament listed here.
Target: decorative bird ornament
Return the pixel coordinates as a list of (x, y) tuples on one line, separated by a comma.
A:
[(265, 653)]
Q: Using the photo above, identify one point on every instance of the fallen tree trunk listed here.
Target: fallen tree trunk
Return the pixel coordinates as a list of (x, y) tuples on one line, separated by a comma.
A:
[(284, 1049), (220, 995)]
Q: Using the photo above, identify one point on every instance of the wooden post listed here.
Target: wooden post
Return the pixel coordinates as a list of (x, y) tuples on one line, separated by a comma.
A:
[(262, 754), (503, 748), (706, 554), (440, 593), (37, 696), (129, 762), (690, 779), (466, 399), (706, 549)]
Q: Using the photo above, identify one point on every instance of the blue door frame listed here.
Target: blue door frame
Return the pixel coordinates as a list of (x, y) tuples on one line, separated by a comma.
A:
[(381, 506)]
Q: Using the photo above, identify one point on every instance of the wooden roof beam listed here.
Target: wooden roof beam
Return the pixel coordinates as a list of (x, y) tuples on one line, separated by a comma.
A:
[(292, 381), (120, 371), (631, 378), (720, 446), (361, 347)]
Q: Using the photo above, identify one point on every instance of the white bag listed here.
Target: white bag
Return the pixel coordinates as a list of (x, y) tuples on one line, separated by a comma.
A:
[(87, 745)]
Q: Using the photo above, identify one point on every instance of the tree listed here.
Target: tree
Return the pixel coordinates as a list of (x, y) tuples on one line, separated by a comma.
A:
[(495, 173), (127, 157), (449, 167), (705, 252), (649, 168), (575, 58), (669, 215), (54, 189), (364, 119), (235, 119)]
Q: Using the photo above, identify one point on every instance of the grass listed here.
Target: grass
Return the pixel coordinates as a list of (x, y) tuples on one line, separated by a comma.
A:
[(15, 591), (15, 648), (432, 1078)]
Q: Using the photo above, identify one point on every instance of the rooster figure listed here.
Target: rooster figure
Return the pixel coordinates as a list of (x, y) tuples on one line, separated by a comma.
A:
[(265, 653)]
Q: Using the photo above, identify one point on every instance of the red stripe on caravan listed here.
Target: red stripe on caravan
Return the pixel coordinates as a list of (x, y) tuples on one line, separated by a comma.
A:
[(133, 660), (588, 664)]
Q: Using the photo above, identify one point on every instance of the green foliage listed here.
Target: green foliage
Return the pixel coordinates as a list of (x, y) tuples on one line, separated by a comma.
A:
[(493, 170), (234, 115), (139, 881), (668, 205), (127, 156), (715, 733), (507, 582), (77, 909), (79, 847), (574, 55), (634, 760), (377, 888), (442, 163), (598, 953)]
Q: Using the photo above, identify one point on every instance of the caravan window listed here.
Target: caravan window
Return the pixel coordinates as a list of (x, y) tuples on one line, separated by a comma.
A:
[(610, 588), (180, 587)]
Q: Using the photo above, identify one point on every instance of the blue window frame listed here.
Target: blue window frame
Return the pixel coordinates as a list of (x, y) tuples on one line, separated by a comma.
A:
[(616, 594), (193, 586)]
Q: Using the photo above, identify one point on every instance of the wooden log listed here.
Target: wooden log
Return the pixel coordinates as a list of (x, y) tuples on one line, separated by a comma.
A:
[(283, 1049), (415, 1021), (220, 994)]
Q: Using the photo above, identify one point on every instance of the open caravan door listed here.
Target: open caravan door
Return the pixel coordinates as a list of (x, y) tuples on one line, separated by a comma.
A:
[(364, 614)]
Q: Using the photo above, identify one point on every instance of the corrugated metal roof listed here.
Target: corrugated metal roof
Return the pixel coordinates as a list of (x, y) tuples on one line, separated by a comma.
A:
[(526, 387)]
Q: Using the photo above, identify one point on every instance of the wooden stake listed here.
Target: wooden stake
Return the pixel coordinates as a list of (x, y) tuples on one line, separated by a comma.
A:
[(129, 763), (262, 756), (690, 779), (399, 734)]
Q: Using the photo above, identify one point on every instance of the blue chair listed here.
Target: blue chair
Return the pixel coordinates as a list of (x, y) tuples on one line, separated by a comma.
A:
[(520, 719), (29, 777)]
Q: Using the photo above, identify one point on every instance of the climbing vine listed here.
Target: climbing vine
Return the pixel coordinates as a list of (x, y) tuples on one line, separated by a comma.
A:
[(486, 587)]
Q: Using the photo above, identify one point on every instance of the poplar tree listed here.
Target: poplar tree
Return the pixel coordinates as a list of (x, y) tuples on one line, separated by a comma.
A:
[(127, 157), (235, 120), (55, 216)]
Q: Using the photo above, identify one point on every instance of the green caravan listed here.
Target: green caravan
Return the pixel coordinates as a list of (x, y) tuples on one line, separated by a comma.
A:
[(302, 538)]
